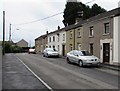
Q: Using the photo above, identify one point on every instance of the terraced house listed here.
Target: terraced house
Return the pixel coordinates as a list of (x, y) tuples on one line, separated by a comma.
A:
[(41, 43), (95, 35), (99, 35), (57, 40)]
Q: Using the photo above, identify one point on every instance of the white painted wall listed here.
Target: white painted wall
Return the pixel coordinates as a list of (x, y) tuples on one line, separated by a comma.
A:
[(61, 42), (119, 38), (115, 39), (56, 42)]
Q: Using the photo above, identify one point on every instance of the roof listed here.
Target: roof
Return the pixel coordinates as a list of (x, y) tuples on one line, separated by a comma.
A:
[(112, 13), (42, 36), (22, 40)]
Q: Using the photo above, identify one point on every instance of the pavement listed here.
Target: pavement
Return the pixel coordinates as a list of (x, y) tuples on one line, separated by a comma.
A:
[(113, 67), (108, 66), (0, 67), (16, 76)]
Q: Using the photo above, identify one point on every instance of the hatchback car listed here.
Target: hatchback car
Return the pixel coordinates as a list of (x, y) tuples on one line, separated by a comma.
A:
[(32, 51), (48, 52), (82, 58)]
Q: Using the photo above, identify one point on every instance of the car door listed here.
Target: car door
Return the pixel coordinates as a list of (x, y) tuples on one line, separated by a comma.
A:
[(71, 56), (75, 57)]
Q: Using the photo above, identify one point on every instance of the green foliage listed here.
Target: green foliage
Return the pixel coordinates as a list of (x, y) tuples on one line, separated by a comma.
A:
[(72, 8), (16, 49), (9, 48)]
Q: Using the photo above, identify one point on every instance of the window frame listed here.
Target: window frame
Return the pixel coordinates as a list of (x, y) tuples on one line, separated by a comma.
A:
[(106, 28), (71, 34), (91, 31), (79, 33)]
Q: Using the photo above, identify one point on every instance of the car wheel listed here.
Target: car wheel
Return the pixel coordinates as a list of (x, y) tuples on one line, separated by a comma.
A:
[(80, 63), (43, 55), (68, 61)]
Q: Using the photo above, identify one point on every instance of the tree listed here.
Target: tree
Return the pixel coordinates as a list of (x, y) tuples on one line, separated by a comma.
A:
[(72, 8), (9, 48), (95, 10)]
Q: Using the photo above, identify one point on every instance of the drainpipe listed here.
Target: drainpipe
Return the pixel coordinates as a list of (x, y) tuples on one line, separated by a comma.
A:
[(74, 40)]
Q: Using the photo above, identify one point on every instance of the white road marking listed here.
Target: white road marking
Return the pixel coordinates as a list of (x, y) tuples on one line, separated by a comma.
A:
[(35, 75)]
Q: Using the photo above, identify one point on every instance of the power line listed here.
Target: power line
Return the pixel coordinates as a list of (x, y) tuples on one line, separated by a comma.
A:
[(47, 17), (40, 19)]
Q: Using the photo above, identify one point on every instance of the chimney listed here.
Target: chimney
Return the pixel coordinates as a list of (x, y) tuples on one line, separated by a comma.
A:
[(47, 32), (79, 17), (58, 27)]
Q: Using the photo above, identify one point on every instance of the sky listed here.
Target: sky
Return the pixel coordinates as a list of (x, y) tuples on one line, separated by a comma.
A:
[(27, 17)]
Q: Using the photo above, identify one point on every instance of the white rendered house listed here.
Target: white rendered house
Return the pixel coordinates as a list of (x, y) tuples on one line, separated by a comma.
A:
[(57, 40)]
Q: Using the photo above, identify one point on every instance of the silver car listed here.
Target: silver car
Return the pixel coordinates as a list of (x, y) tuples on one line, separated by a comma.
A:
[(48, 52), (82, 58)]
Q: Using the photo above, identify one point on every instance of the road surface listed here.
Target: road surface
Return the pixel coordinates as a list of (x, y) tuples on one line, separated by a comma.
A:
[(58, 74)]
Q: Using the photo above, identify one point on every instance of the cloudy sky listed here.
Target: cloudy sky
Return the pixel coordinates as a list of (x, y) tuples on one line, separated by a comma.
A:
[(22, 14)]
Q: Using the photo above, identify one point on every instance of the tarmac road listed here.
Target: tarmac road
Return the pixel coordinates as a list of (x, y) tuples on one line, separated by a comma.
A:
[(60, 75)]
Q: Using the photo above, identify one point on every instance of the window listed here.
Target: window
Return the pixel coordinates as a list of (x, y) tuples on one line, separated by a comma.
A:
[(79, 46), (63, 37), (91, 32), (53, 38), (79, 34), (107, 28), (49, 39), (71, 48), (70, 34), (91, 48)]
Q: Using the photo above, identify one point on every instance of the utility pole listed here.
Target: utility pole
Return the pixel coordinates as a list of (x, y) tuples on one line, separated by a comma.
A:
[(3, 43), (10, 34)]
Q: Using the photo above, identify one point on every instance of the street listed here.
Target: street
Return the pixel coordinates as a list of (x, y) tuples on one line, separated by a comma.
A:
[(58, 74)]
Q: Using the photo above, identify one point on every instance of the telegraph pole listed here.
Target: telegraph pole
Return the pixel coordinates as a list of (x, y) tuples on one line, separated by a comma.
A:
[(3, 43), (10, 34)]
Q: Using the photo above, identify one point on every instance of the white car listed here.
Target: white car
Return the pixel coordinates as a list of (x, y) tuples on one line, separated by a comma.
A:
[(48, 52), (32, 51), (82, 58)]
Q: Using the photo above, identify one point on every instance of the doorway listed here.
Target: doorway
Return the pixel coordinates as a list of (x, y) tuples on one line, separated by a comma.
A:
[(63, 50), (106, 52)]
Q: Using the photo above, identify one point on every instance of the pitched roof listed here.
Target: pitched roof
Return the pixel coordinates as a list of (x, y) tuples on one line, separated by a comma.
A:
[(112, 13), (22, 40)]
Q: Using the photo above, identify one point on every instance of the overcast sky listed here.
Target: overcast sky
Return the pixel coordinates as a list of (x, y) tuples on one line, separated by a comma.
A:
[(19, 12)]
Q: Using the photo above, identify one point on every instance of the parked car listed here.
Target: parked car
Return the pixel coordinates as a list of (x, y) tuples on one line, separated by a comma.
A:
[(32, 51), (82, 58), (48, 52)]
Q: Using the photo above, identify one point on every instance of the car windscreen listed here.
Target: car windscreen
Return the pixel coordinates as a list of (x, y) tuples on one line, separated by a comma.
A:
[(85, 53), (51, 50)]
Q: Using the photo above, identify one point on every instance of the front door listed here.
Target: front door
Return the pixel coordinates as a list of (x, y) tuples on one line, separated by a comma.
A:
[(106, 52), (63, 50)]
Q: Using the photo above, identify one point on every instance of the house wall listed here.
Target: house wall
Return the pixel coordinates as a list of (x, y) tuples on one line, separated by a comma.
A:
[(58, 42), (62, 42), (78, 39), (22, 43), (38, 46), (98, 34), (116, 52), (69, 40)]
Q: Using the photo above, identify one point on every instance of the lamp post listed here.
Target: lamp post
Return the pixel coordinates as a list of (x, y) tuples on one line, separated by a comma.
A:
[(3, 43), (10, 33)]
